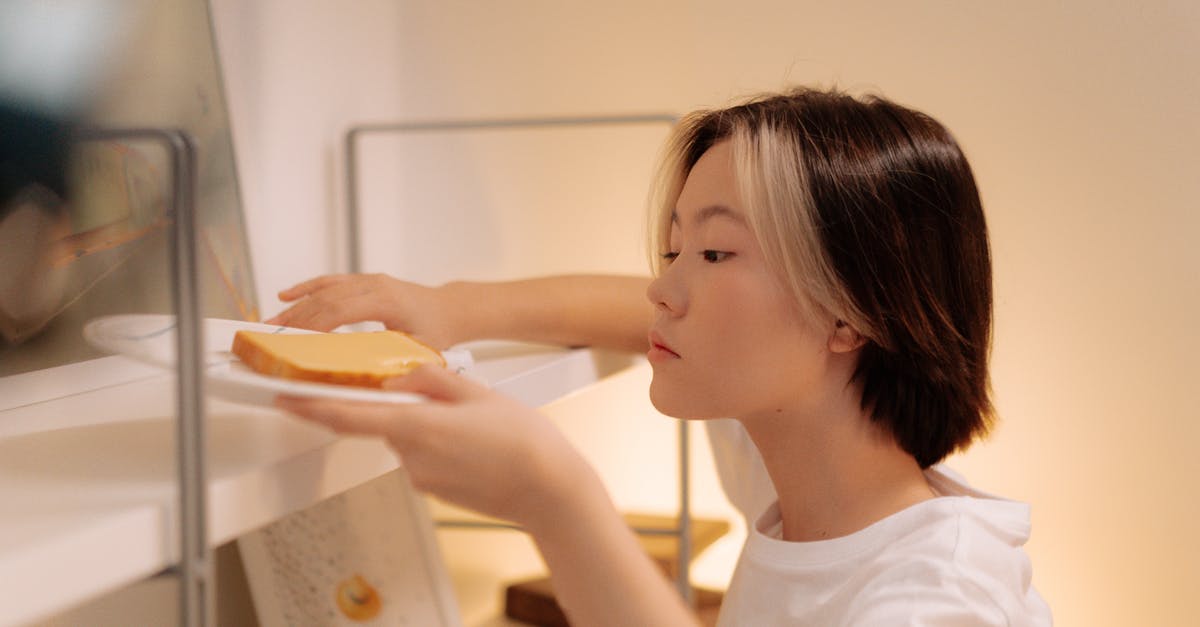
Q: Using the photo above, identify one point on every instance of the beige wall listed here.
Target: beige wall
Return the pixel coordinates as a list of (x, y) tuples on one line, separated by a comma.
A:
[(1081, 120)]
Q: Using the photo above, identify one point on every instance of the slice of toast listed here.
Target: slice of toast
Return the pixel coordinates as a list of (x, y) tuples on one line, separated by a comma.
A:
[(358, 359)]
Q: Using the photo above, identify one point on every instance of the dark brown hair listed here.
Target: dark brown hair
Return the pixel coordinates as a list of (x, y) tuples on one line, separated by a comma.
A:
[(870, 211)]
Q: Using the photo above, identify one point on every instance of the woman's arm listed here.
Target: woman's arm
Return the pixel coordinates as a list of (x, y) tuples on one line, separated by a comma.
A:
[(601, 574), (575, 310), (482, 450), (605, 311)]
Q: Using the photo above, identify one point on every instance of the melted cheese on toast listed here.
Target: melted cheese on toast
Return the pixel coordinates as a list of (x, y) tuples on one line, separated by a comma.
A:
[(360, 359)]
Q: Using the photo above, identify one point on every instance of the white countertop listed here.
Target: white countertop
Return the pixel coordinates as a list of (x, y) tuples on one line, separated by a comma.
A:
[(88, 479)]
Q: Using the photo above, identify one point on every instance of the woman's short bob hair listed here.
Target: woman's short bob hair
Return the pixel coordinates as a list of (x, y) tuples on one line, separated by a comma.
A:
[(871, 215)]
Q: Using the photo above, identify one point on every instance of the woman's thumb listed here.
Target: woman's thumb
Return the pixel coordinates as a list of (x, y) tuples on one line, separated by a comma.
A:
[(435, 382)]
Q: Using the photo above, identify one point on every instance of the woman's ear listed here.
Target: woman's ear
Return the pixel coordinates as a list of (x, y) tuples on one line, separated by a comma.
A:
[(845, 338)]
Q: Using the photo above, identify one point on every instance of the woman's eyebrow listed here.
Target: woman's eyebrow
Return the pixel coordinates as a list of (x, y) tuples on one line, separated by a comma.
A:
[(713, 211)]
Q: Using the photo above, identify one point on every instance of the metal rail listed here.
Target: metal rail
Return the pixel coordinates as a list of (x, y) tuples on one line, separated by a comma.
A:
[(353, 243), (195, 561)]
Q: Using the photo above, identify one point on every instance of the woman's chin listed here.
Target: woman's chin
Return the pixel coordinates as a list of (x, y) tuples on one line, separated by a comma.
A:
[(682, 406)]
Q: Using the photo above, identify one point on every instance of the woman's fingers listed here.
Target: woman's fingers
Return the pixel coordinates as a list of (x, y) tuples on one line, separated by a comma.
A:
[(437, 383), (297, 315), (342, 416), (467, 444), (328, 302), (388, 420), (333, 308), (312, 285), (335, 304)]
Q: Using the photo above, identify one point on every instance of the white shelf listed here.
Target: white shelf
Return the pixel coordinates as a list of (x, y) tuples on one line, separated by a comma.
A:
[(88, 479)]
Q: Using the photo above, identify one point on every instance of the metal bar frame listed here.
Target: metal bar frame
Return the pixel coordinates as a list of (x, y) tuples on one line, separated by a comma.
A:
[(195, 561), (354, 264)]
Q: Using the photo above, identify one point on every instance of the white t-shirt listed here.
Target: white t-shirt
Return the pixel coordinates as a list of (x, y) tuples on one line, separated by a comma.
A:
[(953, 560)]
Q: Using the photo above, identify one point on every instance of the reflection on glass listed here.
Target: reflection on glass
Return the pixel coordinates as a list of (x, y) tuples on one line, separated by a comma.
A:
[(83, 222)]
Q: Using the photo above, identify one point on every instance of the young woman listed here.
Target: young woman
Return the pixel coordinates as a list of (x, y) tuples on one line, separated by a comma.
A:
[(824, 280)]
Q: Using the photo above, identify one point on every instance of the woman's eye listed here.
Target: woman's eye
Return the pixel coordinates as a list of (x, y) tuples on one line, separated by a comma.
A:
[(670, 256), (715, 256)]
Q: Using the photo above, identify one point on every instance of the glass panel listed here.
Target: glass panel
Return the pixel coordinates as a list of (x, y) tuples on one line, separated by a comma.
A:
[(83, 223)]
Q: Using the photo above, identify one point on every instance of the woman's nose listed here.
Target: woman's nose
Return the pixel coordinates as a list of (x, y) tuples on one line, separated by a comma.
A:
[(665, 293)]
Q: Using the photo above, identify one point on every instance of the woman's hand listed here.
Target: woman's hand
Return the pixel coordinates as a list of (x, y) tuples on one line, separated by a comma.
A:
[(468, 445), (329, 301)]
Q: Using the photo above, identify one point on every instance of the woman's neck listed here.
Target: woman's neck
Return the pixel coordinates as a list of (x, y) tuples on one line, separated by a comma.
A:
[(836, 472)]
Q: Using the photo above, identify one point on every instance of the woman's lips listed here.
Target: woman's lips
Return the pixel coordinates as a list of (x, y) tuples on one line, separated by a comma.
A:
[(659, 350)]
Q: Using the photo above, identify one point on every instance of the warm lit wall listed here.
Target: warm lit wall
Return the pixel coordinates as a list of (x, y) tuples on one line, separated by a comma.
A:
[(1081, 120)]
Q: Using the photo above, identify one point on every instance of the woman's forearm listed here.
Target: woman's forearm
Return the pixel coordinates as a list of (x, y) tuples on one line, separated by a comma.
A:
[(600, 573), (604, 311)]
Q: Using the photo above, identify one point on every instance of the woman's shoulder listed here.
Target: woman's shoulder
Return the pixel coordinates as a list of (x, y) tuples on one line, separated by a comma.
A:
[(929, 589), (960, 561)]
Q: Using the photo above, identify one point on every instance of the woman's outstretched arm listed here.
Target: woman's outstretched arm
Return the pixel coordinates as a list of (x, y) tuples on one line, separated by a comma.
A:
[(604, 311)]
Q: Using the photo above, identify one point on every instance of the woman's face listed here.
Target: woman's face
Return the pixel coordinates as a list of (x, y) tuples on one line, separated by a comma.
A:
[(727, 339)]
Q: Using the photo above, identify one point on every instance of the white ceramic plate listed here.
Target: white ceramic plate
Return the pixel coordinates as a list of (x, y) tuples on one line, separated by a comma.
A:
[(150, 338)]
